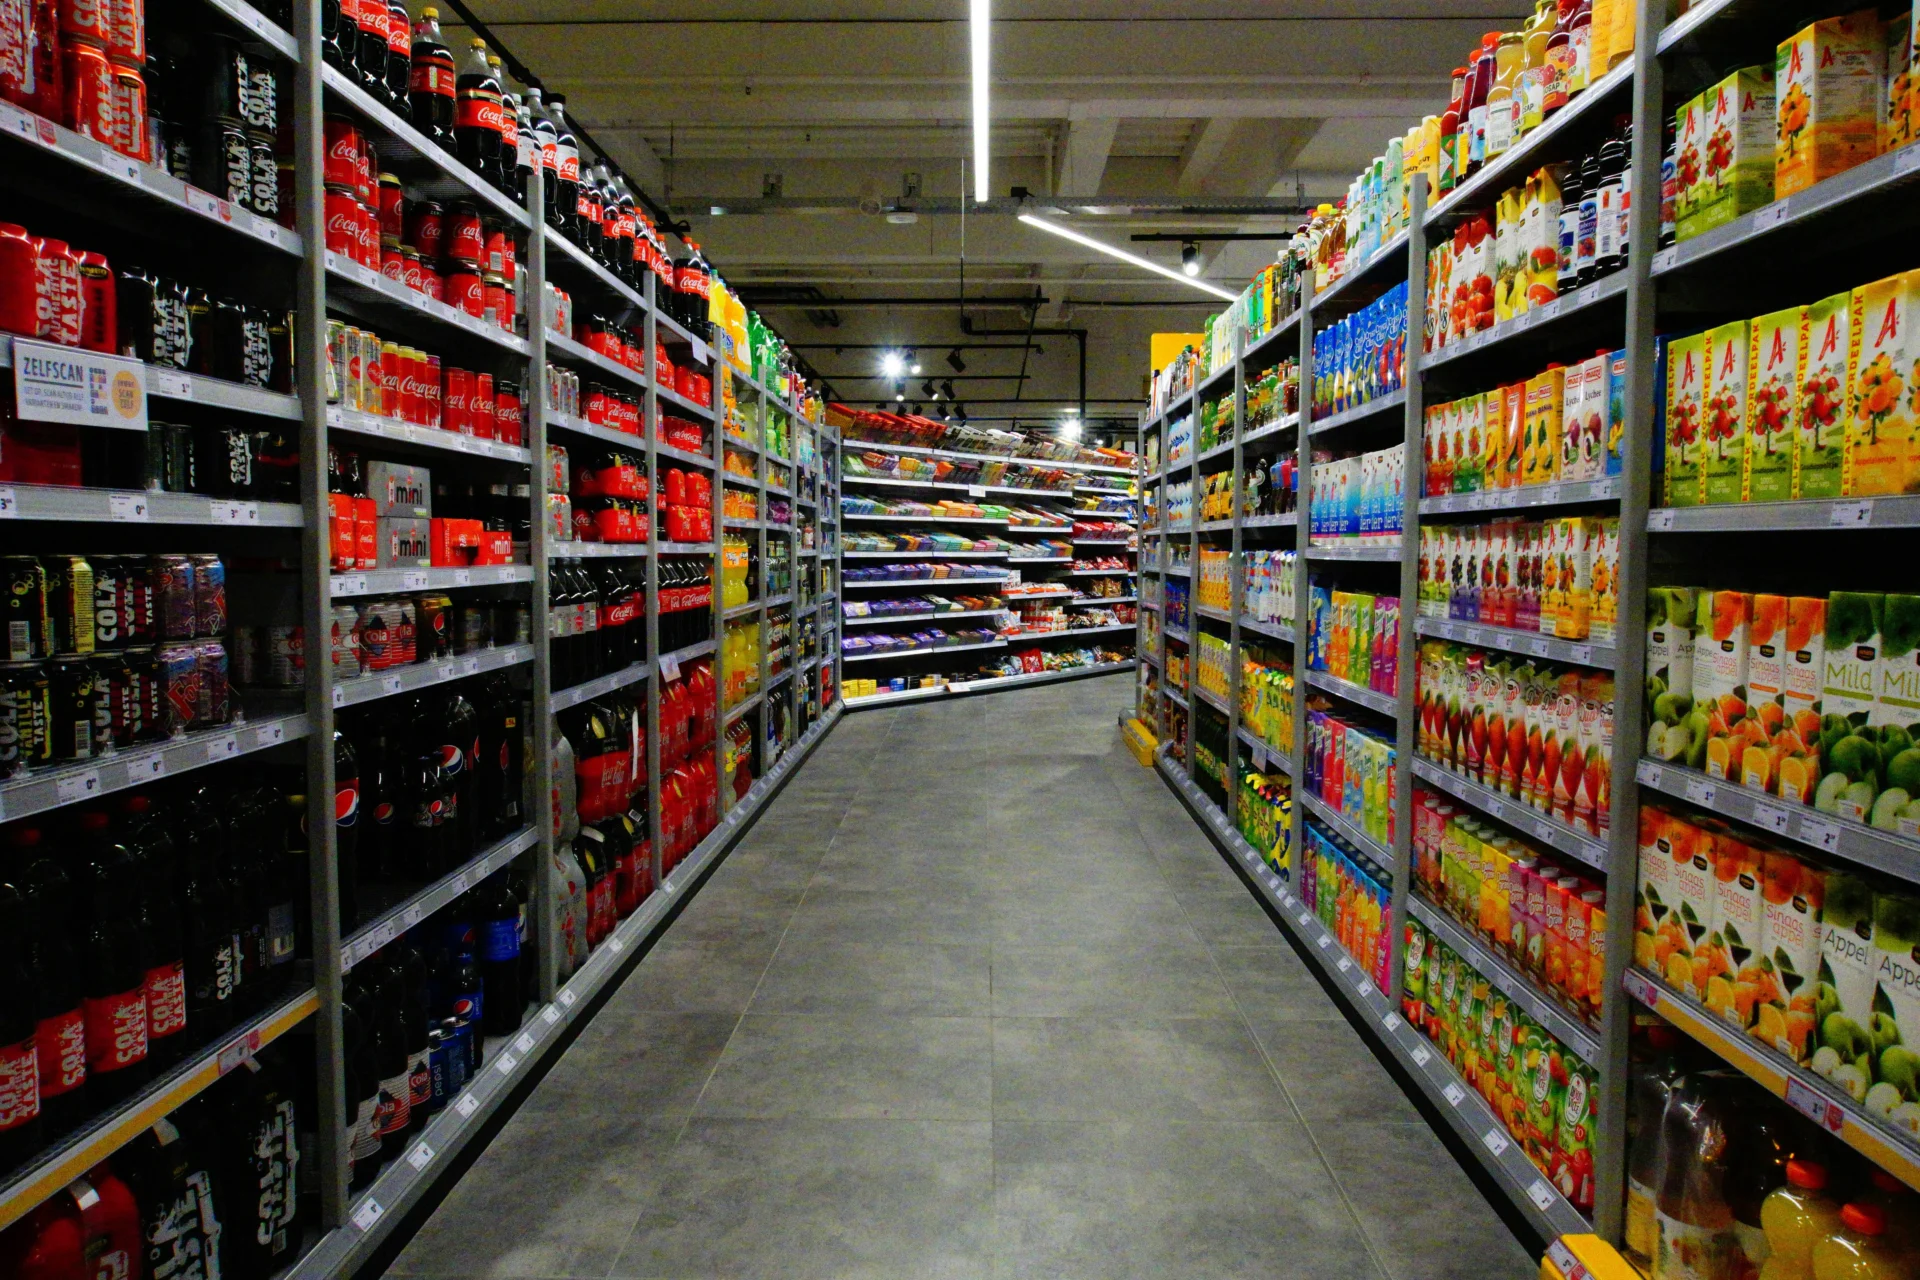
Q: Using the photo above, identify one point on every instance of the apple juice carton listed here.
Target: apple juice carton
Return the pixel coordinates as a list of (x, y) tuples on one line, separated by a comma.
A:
[(1792, 890), (1843, 1000), (1882, 454), (1541, 441), (1722, 648), (1686, 408), (1738, 149), (1827, 86), (1738, 921), (1603, 558), (1849, 683), (1670, 661), (1896, 716), (1776, 352), (1895, 1023), (1724, 425), (1826, 398), (1804, 661), (1691, 186)]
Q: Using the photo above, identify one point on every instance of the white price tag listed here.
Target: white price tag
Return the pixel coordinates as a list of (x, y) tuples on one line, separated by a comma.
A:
[(1345, 964), (1660, 520), (414, 580), (1815, 1106), (1700, 791), (1391, 1021), (1550, 494), (1494, 1141), (567, 997), (154, 766), (1821, 835), (1455, 1095), (236, 1052), (268, 734), (1663, 260), (446, 670), (421, 1156), (1472, 635), (1498, 808), (1906, 159), (1540, 1193), (127, 506), (1324, 941), (616, 946), (1547, 311), (369, 1211), (410, 917), (78, 786), (505, 1064), (1581, 652), (550, 1015), (1646, 773), (467, 1105), (1640, 987), (1586, 296), (1306, 917), (171, 383), (976, 491), (389, 684), (1420, 1055), (1850, 515), (1772, 216), (240, 513), (669, 667), (9, 505), (462, 577), (1770, 818), (339, 696), (224, 747), (1539, 646), (523, 1042), (470, 666)]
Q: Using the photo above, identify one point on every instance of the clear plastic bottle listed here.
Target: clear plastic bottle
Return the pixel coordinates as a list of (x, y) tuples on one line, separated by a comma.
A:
[(1695, 1224), (1794, 1217), (1859, 1248), (1653, 1086)]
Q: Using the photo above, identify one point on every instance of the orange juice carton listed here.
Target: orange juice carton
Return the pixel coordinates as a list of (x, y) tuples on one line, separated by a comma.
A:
[(1690, 850), (1690, 164), (1493, 426), (1540, 237), (1845, 1046), (1896, 715), (1792, 890), (1849, 741), (1737, 151), (1670, 659), (1686, 419), (1826, 398), (1721, 651), (1760, 757), (1654, 896), (1603, 560), (1805, 663), (1733, 941), (1541, 442), (1776, 352), (1574, 549), (1882, 455), (1724, 426), (1509, 257), (1583, 441), (1828, 96), (1896, 111)]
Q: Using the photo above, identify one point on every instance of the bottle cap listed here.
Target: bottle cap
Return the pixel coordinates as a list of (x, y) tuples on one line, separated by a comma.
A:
[(1888, 1183), (1810, 1174), (1867, 1219)]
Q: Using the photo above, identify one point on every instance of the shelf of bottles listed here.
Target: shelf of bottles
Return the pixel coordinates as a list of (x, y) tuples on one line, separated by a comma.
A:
[(263, 892)]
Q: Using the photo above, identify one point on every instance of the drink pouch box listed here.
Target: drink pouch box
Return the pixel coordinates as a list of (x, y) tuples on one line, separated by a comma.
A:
[(1850, 674), (1733, 943), (1737, 152), (1691, 185), (1827, 85), (1543, 238), (1686, 411), (1843, 1000), (1882, 454), (404, 543), (1670, 664), (1895, 1022), (1722, 639), (1776, 353), (1792, 891), (1545, 405), (1827, 385), (1319, 625), (1724, 452)]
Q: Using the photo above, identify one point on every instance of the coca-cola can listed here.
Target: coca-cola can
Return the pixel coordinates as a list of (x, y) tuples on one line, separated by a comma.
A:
[(177, 686), (432, 283), (121, 713), (26, 713), (175, 611), (390, 404), (214, 698), (499, 248), (392, 266), (344, 649), (365, 185), (508, 424), (430, 390), (496, 302), (83, 19), (19, 275), (130, 111), (209, 596), (145, 720), (465, 241), (126, 30), (342, 220), (480, 405), (454, 403), (413, 394), (263, 188), (342, 165), (372, 386), (423, 227), (465, 291), (410, 274)]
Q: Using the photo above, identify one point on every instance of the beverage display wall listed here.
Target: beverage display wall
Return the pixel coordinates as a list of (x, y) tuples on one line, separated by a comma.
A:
[(369, 465), (1554, 683)]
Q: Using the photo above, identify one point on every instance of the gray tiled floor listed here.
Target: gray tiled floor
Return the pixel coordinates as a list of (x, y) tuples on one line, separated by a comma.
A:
[(976, 999)]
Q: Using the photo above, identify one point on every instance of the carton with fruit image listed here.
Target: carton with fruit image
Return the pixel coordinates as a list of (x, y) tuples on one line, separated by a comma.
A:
[(1827, 86), (1793, 890), (1896, 716), (1572, 1164), (1672, 732), (1720, 655), (1776, 350), (1897, 122), (1546, 393), (1574, 569), (1805, 661), (1724, 425), (1895, 1022), (1594, 793), (1849, 744), (1690, 961), (1882, 455), (1686, 405), (1690, 132), (1603, 558), (1654, 938), (1737, 153), (1732, 950), (1843, 999), (1826, 396), (1766, 684)]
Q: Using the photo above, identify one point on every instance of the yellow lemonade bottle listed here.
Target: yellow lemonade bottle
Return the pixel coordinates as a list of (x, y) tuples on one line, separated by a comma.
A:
[(1794, 1217), (1858, 1249)]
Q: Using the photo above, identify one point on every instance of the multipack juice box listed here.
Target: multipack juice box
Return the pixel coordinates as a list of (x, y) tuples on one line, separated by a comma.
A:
[(1724, 455), (1686, 403), (1722, 637), (1733, 942), (1895, 1025), (1776, 350), (1843, 1000), (1805, 662), (1849, 750), (1690, 164), (1574, 549), (1882, 452), (1827, 85), (1792, 890), (1672, 732), (1826, 398), (1603, 558), (1758, 766), (1737, 153), (1541, 438)]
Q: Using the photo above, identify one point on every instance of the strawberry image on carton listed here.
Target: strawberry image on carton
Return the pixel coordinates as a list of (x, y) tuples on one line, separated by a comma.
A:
[(1826, 397), (1882, 454), (1827, 86), (1776, 351), (1686, 419), (1724, 461)]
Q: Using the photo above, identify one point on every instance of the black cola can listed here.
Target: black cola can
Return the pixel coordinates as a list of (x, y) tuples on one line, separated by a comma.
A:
[(25, 717), (69, 604), (136, 600), (223, 161), (71, 696), (24, 580), (145, 719), (263, 176), (169, 458), (109, 592), (113, 686)]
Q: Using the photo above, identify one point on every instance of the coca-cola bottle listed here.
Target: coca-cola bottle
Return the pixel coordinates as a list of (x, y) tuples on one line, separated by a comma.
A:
[(476, 120), (562, 213), (397, 76), (430, 92), (589, 209), (112, 967), (596, 863), (547, 143), (526, 149), (346, 828), (20, 1128), (502, 763), (210, 945), (156, 867), (371, 58), (507, 124)]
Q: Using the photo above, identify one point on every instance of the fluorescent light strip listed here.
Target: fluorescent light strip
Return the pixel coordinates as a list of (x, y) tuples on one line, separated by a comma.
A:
[(982, 110), (1060, 230)]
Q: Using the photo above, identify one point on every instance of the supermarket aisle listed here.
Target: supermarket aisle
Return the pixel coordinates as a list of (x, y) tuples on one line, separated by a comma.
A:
[(975, 998)]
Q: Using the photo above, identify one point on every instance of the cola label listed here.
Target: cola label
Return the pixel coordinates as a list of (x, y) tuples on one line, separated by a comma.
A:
[(61, 1046), (420, 1078), (173, 333), (236, 167), (16, 50), (364, 1142), (183, 1233), (108, 588), (262, 103), (263, 193), (479, 111), (116, 1030), (432, 77), (550, 155), (256, 354), (346, 803), (394, 1109), (524, 150), (19, 1084), (275, 1164), (567, 162), (215, 985), (166, 1000)]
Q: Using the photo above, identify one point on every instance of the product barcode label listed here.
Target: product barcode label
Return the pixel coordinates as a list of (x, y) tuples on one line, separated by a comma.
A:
[(1455, 1095), (421, 1156), (369, 1211), (1494, 1141), (127, 506), (1815, 1106), (1542, 1195), (1851, 515), (467, 1105), (1420, 1055)]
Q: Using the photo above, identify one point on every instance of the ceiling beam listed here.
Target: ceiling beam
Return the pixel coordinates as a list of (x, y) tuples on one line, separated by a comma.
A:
[(1202, 153), (1083, 155)]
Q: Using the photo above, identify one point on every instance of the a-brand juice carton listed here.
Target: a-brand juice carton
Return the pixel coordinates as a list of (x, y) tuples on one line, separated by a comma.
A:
[(1513, 432), (1843, 1000), (1896, 715), (1793, 890), (1849, 683), (1656, 931), (1826, 398), (1616, 411), (1827, 87), (1882, 452), (1721, 649), (1896, 114), (1805, 662), (1526, 558), (1576, 582), (1724, 426), (1739, 911), (1690, 846), (1552, 598), (1776, 351), (1603, 557), (1686, 405), (1691, 185), (1545, 404), (1737, 153), (1670, 663), (1895, 1025)]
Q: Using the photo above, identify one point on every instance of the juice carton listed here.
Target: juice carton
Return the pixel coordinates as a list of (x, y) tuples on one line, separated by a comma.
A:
[(1541, 434), (1592, 801), (1827, 82), (1882, 452), (1720, 659), (1690, 847), (1509, 256), (1895, 1023), (1738, 920), (1737, 153), (1603, 558), (1776, 352), (1686, 406), (1793, 890), (1616, 411), (1843, 1000), (1690, 165), (1566, 463), (1805, 668), (1826, 398), (1896, 715), (1562, 760), (1573, 619), (1896, 114), (1724, 462), (1672, 732), (1541, 234), (1319, 626), (1513, 433), (1656, 928), (1758, 766), (1551, 596), (1850, 675), (1571, 1168), (1583, 439)]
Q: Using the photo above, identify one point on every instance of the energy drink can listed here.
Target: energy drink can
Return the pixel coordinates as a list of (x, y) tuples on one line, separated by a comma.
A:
[(177, 683), (213, 700), (71, 697), (143, 695), (26, 714), (23, 580), (114, 679), (175, 609), (209, 596), (69, 604)]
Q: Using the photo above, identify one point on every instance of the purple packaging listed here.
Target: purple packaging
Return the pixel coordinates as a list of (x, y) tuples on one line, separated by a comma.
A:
[(176, 612), (177, 673), (213, 701), (209, 596)]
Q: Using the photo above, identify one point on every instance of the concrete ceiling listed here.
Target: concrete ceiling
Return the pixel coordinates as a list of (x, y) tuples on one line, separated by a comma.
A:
[(805, 121)]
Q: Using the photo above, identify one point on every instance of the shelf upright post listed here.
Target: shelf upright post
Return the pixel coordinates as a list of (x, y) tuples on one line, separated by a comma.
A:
[(1166, 542), (1193, 572), (717, 625), (652, 434), (764, 533), (316, 613), (545, 947), (1236, 577), (1302, 539), (1405, 720), (1643, 235)]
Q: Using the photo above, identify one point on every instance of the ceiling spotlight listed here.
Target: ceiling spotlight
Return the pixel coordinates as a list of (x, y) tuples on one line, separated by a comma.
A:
[(946, 388), (893, 364), (913, 361), (1190, 258), (960, 412), (930, 391), (916, 410), (955, 363), (899, 397)]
